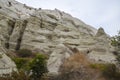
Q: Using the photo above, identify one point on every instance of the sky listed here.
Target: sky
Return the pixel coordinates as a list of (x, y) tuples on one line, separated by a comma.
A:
[(97, 13)]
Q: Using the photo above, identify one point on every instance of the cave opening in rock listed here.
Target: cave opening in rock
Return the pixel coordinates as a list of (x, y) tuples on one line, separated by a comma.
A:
[(10, 4)]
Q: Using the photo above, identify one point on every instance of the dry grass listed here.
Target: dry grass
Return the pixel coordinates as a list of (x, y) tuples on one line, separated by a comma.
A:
[(77, 67), (75, 61)]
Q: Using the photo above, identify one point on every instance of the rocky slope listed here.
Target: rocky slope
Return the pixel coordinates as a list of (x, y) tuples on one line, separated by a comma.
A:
[(52, 32)]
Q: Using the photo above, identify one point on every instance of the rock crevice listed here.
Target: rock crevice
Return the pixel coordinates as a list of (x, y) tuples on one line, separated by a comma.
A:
[(21, 33), (10, 31)]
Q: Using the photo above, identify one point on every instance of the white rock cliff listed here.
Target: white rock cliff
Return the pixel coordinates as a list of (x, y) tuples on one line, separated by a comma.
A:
[(51, 32)]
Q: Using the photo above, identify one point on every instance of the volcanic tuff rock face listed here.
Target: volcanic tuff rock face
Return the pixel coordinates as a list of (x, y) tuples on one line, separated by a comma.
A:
[(46, 30)]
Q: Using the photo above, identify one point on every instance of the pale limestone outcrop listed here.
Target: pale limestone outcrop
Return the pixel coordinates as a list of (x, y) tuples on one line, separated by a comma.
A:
[(7, 66), (100, 32), (102, 50), (46, 30), (57, 57)]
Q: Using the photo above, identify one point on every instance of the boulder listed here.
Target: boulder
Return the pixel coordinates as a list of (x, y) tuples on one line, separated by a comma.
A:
[(7, 66), (57, 58)]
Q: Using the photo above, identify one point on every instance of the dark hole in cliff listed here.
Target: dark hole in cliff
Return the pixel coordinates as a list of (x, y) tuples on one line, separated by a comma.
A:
[(0, 7), (88, 52), (10, 4), (7, 45), (66, 30), (115, 53)]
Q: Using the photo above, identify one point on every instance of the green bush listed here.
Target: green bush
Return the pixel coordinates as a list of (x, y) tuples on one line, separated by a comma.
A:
[(20, 62), (33, 66), (116, 40), (116, 43), (111, 72), (98, 66), (38, 66)]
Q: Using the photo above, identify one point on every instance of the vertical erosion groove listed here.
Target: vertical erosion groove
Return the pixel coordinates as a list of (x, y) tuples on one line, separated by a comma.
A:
[(10, 31), (21, 33), (41, 24)]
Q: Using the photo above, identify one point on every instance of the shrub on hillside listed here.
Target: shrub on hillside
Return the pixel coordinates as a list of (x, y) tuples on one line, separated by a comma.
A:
[(20, 62), (109, 71), (98, 66), (29, 69), (38, 66), (24, 53), (116, 43)]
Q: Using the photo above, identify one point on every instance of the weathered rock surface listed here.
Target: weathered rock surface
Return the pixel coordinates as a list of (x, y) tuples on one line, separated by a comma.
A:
[(44, 30), (6, 64), (57, 57)]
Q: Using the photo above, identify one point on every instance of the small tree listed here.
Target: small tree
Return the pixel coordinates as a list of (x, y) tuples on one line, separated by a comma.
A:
[(38, 66), (116, 43)]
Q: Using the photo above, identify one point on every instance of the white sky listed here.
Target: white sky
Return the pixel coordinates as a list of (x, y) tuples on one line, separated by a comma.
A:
[(97, 13)]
